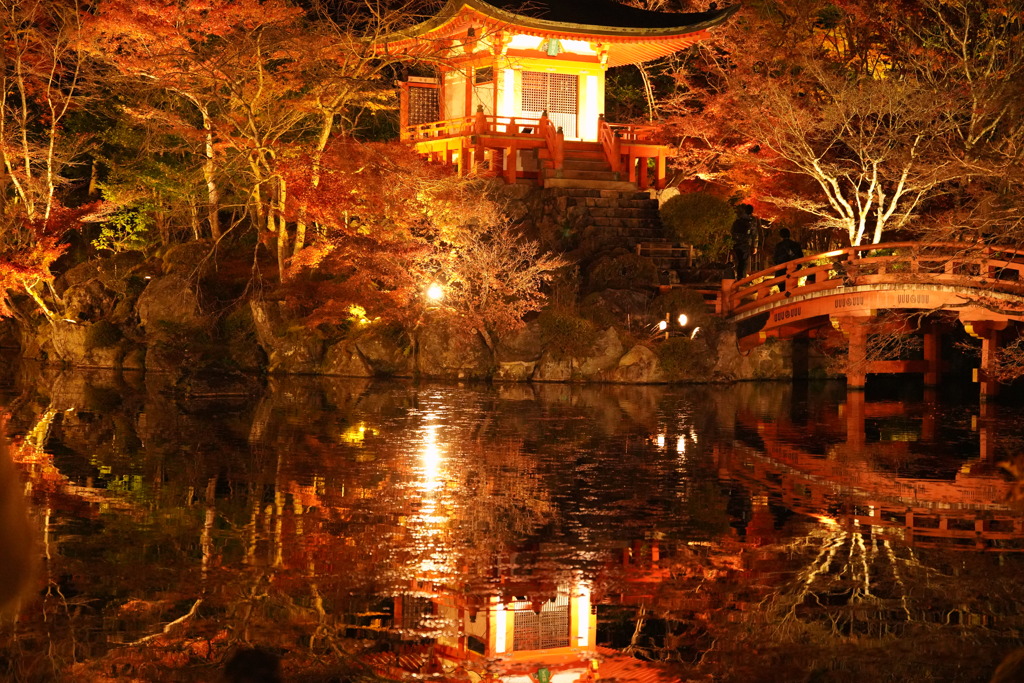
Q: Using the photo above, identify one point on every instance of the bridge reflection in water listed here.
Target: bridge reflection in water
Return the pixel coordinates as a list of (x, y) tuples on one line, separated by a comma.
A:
[(466, 533), (901, 288), (857, 484)]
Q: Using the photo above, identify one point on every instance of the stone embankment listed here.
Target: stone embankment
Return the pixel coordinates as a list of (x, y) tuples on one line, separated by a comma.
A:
[(156, 314)]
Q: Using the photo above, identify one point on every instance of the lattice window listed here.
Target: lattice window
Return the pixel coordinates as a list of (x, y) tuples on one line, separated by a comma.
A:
[(558, 94), (542, 631), (424, 105)]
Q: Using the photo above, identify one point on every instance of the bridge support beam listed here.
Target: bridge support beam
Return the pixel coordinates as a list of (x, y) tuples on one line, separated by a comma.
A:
[(856, 330), (985, 375), (932, 355)]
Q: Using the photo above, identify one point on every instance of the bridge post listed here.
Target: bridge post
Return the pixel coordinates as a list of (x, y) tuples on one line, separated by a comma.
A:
[(987, 384), (932, 355), (854, 414), (985, 375), (856, 330)]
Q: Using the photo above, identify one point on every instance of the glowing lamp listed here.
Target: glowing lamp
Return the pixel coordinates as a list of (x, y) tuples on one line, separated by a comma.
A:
[(435, 292), (663, 325), (683, 320)]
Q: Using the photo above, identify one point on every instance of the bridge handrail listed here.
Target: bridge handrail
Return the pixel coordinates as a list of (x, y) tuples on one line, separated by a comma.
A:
[(869, 263)]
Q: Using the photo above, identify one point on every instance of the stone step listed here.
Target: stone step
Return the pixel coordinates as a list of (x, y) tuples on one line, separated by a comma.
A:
[(588, 175), (586, 165), (617, 185), (630, 197), (620, 212), (631, 223)]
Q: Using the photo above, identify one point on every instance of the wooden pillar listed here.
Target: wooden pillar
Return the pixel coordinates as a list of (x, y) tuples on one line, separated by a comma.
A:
[(511, 159), (659, 182), (932, 356), (988, 386), (985, 375), (854, 414), (403, 111), (643, 173), (856, 331)]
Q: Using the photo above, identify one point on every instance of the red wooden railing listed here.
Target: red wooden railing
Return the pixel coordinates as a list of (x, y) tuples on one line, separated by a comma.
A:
[(992, 267), (610, 143), (628, 148), (555, 140)]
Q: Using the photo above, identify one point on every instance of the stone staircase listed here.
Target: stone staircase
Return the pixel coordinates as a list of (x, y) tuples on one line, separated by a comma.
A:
[(612, 212), (610, 217), (584, 165)]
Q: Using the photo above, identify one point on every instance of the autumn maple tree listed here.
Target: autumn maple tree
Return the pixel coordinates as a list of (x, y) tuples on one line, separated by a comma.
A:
[(861, 117), (42, 76), (389, 225)]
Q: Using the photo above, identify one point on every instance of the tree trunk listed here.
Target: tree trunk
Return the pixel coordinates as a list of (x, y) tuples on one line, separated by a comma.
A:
[(212, 191)]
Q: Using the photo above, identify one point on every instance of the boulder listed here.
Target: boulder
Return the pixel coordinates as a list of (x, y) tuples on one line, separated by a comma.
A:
[(638, 366), (169, 300), (525, 344), (345, 360), (445, 350), (515, 371), (605, 354), (297, 351), (383, 352), (553, 368), (91, 345)]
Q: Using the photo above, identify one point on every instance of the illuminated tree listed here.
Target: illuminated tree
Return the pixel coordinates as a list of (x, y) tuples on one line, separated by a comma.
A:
[(858, 116), (41, 85)]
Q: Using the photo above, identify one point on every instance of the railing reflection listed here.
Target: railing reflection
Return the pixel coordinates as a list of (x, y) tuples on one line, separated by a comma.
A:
[(870, 485)]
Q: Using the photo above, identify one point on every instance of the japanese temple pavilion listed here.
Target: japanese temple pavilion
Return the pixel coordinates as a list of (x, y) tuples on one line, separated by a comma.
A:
[(520, 88)]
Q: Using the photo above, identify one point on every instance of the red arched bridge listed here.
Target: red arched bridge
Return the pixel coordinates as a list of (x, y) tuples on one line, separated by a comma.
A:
[(847, 288)]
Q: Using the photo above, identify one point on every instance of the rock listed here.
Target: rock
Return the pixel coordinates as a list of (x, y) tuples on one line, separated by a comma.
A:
[(90, 345), (381, 350), (638, 366), (606, 353), (515, 371), (448, 351), (345, 360), (297, 351), (772, 360), (525, 344), (189, 259), (169, 300), (553, 368)]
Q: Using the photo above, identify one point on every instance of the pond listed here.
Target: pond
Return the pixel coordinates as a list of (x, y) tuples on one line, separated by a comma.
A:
[(355, 530)]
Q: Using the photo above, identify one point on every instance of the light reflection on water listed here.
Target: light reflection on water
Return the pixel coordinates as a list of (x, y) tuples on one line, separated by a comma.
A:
[(754, 532)]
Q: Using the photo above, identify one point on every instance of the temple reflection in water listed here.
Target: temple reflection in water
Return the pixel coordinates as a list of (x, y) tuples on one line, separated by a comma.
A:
[(514, 533)]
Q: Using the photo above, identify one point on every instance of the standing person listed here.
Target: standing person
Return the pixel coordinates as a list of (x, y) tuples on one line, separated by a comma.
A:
[(743, 239), (786, 250)]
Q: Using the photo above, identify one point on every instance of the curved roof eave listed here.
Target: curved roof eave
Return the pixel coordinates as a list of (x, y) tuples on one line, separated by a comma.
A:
[(453, 7)]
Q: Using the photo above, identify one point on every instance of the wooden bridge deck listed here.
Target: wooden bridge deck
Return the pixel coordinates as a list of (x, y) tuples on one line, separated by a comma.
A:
[(846, 288)]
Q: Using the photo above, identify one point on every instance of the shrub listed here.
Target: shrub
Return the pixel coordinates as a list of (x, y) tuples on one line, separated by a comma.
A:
[(566, 334), (129, 229), (684, 358), (700, 219), (625, 271)]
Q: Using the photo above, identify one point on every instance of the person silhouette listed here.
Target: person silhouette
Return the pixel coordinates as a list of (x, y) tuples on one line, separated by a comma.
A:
[(786, 250)]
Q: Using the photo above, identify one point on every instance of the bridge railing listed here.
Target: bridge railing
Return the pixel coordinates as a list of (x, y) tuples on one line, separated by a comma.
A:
[(981, 266)]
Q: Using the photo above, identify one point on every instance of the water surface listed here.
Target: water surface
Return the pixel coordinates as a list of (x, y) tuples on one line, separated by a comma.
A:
[(362, 530)]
